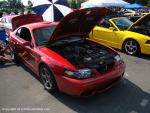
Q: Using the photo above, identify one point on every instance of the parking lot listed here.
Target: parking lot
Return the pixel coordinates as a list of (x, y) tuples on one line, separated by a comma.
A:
[(19, 88)]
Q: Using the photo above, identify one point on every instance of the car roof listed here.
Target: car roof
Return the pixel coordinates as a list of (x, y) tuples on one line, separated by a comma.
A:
[(39, 24)]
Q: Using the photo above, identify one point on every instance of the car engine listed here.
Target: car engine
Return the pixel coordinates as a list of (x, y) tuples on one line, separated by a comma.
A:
[(80, 52)]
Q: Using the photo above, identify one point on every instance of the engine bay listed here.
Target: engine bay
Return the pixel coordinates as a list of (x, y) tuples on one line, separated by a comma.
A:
[(80, 51)]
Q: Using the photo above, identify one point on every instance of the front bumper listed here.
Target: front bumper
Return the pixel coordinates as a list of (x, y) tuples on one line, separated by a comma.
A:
[(90, 86)]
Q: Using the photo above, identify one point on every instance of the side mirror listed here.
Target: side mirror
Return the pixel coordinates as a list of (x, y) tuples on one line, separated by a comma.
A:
[(26, 43), (112, 28)]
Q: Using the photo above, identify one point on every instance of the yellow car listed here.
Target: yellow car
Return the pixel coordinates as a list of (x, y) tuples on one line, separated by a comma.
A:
[(121, 33)]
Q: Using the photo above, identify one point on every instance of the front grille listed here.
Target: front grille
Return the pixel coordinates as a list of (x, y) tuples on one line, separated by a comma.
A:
[(103, 68)]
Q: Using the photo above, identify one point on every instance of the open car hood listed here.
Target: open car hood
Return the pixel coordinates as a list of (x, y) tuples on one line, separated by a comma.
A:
[(78, 23), (19, 20), (141, 21)]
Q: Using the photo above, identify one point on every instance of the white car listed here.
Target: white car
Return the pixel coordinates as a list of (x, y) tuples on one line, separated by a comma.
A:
[(130, 12)]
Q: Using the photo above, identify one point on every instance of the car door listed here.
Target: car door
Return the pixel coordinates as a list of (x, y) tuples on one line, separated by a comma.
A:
[(106, 33), (26, 53)]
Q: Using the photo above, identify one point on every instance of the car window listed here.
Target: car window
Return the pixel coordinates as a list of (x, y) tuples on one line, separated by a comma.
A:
[(146, 24), (122, 23), (104, 23), (43, 34), (24, 34), (18, 32)]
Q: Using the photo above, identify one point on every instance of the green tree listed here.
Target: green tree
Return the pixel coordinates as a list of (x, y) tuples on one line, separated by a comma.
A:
[(29, 7), (75, 3), (3, 5), (148, 3), (11, 6), (72, 4)]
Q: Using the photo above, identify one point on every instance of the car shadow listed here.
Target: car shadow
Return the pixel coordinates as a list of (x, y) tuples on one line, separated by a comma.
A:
[(6, 65), (29, 71), (142, 56), (125, 97)]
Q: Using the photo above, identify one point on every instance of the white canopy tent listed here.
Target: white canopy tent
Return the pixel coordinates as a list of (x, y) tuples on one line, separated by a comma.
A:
[(104, 3)]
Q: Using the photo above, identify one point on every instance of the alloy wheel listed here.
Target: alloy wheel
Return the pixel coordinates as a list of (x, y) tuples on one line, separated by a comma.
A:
[(46, 78), (131, 47)]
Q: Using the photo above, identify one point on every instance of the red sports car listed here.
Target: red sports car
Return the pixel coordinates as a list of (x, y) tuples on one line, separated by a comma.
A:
[(62, 55)]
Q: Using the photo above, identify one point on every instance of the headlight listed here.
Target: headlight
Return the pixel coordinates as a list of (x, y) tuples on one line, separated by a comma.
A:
[(117, 59), (148, 42), (79, 74)]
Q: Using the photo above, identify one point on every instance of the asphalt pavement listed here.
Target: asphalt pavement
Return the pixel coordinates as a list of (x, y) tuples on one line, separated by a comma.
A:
[(21, 92)]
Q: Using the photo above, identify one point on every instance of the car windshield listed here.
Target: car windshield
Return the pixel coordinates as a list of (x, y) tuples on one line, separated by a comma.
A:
[(122, 23), (43, 34)]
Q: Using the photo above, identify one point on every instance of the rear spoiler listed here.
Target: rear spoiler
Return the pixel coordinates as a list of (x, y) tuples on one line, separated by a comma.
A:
[(20, 20)]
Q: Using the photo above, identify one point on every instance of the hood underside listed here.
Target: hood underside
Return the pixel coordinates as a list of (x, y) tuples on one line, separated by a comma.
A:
[(19, 20), (78, 23), (142, 22)]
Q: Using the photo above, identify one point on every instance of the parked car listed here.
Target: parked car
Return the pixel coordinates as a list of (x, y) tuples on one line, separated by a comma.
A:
[(7, 25), (129, 12), (64, 58), (7, 22), (121, 33)]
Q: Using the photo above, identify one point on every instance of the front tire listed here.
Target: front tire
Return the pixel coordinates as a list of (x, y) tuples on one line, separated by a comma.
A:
[(47, 79), (131, 47)]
